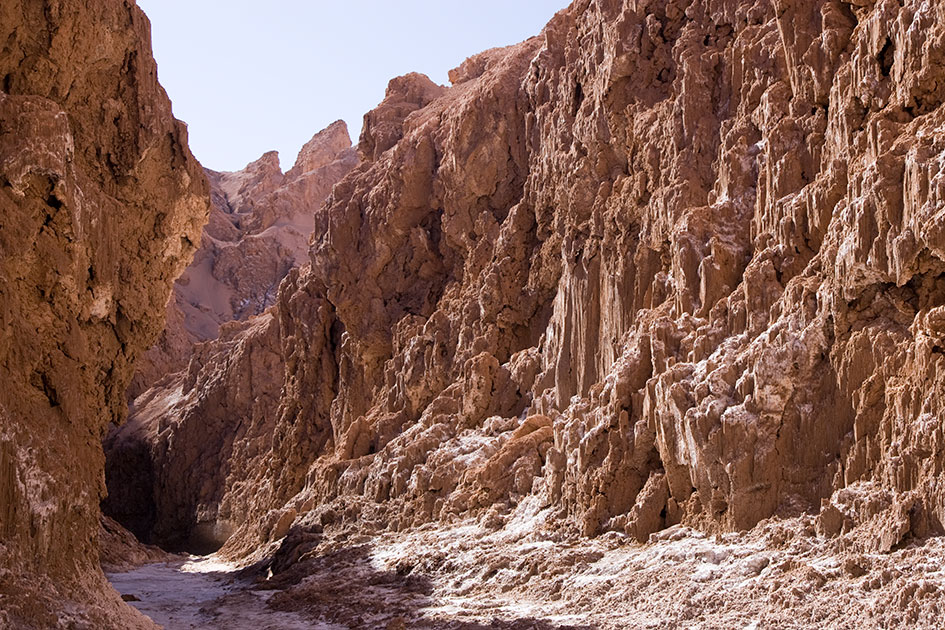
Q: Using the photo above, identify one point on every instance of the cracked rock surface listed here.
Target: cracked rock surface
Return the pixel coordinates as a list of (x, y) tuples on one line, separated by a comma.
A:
[(670, 271), (259, 228), (666, 263)]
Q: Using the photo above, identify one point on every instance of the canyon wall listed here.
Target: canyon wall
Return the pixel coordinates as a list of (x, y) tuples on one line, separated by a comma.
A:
[(101, 207), (259, 228), (668, 262)]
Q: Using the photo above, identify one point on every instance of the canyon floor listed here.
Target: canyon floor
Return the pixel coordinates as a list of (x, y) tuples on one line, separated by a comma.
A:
[(200, 593), (518, 575)]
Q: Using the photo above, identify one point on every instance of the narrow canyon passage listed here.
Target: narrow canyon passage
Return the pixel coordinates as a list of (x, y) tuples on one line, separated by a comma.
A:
[(636, 323)]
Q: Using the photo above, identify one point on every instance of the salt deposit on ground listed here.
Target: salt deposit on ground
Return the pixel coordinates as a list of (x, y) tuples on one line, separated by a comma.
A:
[(526, 576)]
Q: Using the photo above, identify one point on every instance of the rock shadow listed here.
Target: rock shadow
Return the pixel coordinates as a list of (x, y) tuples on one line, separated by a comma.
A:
[(343, 586)]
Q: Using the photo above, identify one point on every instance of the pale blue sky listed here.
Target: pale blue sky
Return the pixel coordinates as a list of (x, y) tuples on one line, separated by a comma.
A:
[(250, 76)]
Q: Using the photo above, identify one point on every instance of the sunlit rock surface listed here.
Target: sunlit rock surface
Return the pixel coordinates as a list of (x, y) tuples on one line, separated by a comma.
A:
[(259, 229), (666, 263), (101, 207), (670, 271)]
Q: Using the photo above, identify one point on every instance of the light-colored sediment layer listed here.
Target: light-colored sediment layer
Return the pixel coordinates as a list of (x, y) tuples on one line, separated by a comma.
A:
[(203, 593), (470, 576)]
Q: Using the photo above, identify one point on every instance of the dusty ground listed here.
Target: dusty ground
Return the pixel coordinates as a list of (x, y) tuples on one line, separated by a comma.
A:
[(202, 593), (470, 576)]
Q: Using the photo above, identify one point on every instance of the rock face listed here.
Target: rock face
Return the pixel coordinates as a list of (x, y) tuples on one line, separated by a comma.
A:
[(184, 425), (670, 262), (259, 228), (101, 206)]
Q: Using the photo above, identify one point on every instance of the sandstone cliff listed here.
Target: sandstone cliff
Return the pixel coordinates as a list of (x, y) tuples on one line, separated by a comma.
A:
[(669, 262), (101, 206), (259, 229)]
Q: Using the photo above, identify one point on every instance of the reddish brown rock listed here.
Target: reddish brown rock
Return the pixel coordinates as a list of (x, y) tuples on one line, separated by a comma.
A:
[(259, 229), (702, 239), (182, 428), (120, 550), (101, 206)]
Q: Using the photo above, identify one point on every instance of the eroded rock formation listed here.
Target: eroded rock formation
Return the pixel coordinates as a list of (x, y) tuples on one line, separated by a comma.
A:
[(668, 262), (101, 206), (259, 228)]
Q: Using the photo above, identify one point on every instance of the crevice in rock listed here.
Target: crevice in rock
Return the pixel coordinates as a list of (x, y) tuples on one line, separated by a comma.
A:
[(886, 57)]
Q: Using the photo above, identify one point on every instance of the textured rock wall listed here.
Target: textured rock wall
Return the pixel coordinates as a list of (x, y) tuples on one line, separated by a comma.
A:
[(668, 262), (101, 206), (181, 426), (259, 229)]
